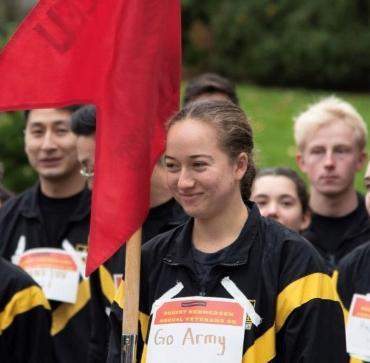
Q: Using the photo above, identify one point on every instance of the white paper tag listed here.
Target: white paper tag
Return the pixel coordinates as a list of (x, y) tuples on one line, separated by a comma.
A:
[(197, 329), (358, 328), (54, 270)]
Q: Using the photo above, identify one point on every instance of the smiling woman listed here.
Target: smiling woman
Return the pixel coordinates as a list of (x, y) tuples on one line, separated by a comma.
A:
[(228, 251)]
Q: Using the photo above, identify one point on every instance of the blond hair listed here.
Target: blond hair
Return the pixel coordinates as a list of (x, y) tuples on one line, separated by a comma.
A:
[(328, 110)]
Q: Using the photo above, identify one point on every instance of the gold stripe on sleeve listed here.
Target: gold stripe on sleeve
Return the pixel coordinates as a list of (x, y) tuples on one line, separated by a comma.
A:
[(65, 312), (263, 349), (144, 321), (106, 283), (355, 360), (299, 292), (21, 302), (120, 294), (335, 283)]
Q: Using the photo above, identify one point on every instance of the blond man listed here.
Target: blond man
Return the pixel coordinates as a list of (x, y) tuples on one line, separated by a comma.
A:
[(331, 137)]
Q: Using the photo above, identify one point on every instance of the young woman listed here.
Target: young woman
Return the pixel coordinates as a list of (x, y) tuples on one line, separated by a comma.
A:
[(227, 250), (281, 194)]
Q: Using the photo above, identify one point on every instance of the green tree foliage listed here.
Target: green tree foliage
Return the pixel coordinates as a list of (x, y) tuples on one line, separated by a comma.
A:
[(314, 43), (18, 174)]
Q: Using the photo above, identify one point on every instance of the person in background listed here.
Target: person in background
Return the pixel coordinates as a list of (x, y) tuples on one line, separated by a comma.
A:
[(227, 250), (281, 194), (331, 137), (164, 214), (353, 274), (54, 213), (25, 318), (208, 87)]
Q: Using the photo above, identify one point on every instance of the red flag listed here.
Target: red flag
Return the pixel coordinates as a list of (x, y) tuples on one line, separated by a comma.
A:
[(123, 56)]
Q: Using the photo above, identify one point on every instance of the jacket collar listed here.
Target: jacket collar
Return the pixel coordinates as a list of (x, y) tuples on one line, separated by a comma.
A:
[(180, 250), (30, 207)]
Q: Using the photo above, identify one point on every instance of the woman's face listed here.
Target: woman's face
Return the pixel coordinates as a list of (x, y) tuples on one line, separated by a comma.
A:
[(200, 174), (276, 197)]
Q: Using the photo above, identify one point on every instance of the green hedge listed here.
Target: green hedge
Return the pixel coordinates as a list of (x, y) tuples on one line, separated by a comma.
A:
[(308, 44), (18, 173)]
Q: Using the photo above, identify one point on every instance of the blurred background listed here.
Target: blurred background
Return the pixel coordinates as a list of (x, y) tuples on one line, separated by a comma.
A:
[(282, 54)]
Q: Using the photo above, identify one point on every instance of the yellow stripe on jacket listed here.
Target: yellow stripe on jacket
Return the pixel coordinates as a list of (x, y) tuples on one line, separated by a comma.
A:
[(65, 312), (21, 302), (297, 293)]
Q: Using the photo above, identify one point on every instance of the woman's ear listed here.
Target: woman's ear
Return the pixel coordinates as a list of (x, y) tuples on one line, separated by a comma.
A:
[(306, 221), (241, 165)]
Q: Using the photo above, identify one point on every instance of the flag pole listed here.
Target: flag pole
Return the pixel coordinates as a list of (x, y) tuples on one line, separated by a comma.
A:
[(131, 300)]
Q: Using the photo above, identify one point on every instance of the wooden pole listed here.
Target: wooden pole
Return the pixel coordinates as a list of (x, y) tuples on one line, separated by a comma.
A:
[(131, 303)]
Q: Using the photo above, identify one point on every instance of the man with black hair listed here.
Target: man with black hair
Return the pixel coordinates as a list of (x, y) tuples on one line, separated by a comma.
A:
[(83, 125), (54, 213), (208, 87), (164, 214)]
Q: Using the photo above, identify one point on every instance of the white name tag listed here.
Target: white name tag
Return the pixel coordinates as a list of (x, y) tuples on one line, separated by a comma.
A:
[(54, 270), (358, 328), (197, 329)]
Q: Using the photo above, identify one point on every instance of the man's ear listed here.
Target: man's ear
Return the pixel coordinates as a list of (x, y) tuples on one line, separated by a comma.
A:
[(362, 158), (300, 162)]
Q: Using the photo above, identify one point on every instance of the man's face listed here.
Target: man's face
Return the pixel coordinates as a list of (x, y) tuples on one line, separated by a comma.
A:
[(331, 158), (50, 144), (86, 156)]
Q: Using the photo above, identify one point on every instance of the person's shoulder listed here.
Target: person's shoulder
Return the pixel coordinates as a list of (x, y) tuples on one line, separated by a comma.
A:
[(160, 244), (353, 276), (356, 259), (13, 277), (295, 256), (279, 236), (17, 202), (281, 242)]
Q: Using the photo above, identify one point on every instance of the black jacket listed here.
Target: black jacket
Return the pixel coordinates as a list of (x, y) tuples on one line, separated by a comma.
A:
[(21, 215), (354, 274), (353, 277), (333, 245), (301, 318), (25, 318)]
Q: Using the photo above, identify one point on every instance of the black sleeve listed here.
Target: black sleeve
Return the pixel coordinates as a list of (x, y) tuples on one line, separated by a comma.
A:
[(27, 339), (99, 335), (313, 333), (353, 276), (309, 318), (114, 349)]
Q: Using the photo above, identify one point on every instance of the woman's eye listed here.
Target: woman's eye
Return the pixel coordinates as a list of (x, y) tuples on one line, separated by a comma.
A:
[(287, 203), (199, 164), (261, 203), (171, 166)]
